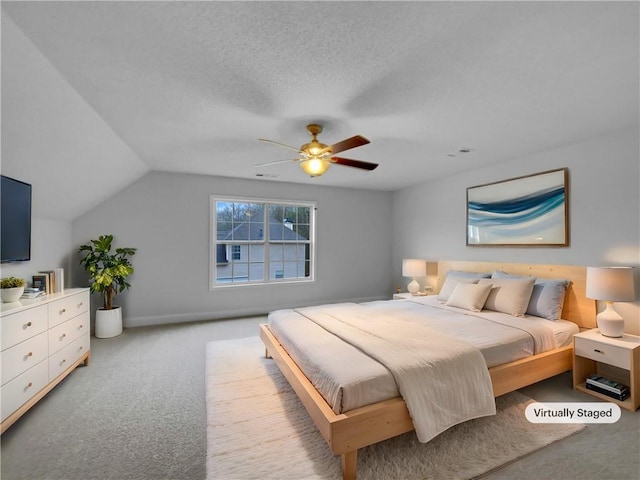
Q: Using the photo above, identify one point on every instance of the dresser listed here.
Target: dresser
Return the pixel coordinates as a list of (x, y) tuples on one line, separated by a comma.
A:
[(42, 340)]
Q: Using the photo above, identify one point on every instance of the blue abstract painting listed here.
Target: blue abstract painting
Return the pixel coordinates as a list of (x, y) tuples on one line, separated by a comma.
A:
[(529, 210)]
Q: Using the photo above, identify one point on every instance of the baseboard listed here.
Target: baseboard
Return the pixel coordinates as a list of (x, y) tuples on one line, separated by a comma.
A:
[(152, 320)]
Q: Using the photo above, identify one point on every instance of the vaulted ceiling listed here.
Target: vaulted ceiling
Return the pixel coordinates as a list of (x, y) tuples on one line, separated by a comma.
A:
[(191, 86)]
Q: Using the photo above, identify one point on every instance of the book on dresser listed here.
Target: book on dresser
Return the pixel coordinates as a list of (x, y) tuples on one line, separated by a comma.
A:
[(41, 282), (52, 280)]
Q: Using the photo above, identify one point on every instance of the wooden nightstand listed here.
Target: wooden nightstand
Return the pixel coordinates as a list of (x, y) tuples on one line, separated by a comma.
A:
[(614, 358), (405, 295), (402, 296)]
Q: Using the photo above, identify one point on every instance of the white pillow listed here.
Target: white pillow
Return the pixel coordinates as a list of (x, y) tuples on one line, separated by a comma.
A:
[(450, 283), (470, 296), (509, 295)]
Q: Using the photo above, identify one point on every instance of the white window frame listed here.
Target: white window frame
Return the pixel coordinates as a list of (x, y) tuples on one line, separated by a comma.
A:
[(266, 280)]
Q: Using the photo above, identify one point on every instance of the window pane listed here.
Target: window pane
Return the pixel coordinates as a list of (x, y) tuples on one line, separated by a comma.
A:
[(223, 273), (291, 251), (224, 211), (293, 269), (256, 253), (276, 252), (276, 270), (240, 272), (256, 272), (303, 232)]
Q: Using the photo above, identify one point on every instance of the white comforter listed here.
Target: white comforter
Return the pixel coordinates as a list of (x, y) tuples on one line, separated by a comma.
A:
[(455, 373)]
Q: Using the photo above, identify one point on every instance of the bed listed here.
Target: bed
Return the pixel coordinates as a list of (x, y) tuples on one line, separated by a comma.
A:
[(349, 419)]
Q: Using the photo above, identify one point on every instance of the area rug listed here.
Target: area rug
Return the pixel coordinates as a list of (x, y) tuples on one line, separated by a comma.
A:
[(258, 429)]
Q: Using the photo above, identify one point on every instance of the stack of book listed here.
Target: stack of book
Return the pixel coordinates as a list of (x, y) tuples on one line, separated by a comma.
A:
[(607, 387), (51, 281)]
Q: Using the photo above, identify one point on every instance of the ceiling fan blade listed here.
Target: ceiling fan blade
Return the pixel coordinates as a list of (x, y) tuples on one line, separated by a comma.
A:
[(347, 144), (354, 163), (276, 162), (281, 144)]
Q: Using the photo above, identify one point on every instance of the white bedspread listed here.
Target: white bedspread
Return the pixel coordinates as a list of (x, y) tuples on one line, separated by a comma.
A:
[(459, 384)]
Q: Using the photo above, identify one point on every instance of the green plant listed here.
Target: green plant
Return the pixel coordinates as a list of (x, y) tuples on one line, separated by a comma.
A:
[(12, 282), (108, 270)]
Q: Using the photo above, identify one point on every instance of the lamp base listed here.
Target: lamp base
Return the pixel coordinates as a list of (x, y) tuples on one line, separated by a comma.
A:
[(610, 323), (413, 287)]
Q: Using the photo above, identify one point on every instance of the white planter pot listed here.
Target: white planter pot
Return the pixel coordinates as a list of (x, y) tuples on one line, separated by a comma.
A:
[(10, 295), (108, 322)]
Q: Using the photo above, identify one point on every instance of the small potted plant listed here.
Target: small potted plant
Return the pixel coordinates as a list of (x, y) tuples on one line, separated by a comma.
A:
[(108, 271), (11, 289)]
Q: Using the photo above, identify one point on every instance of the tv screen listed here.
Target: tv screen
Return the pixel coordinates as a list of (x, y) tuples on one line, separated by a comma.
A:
[(15, 222)]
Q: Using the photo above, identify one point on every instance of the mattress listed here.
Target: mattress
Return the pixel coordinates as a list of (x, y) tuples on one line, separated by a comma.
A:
[(347, 378)]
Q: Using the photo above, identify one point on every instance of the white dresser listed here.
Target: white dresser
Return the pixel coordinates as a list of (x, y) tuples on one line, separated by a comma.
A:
[(42, 341)]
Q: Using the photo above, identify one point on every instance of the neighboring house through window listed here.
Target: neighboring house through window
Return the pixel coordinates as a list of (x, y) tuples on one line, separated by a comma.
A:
[(261, 241)]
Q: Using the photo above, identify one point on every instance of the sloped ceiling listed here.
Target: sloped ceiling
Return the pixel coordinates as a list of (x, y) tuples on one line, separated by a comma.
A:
[(191, 86)]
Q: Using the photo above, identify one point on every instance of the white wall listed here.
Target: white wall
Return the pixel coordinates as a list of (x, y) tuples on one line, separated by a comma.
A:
[(604, 212), (166, 216), (50, 249)]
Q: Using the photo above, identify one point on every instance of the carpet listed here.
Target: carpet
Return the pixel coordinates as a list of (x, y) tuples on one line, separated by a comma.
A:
[(258, 429)]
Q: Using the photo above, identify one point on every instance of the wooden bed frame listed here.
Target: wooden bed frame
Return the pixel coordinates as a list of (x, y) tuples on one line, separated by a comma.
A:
[(347, 432)]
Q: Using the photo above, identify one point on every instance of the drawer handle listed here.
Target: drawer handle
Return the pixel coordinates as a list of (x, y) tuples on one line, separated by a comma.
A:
[(30, 354), (81, 325), (80, 304), (28, 324), (81, 347), (598, 351), (62, 311), (63, 336), (30, 385), (64, 360)]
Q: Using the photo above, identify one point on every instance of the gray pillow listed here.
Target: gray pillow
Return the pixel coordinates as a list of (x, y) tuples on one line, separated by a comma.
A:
[(547, 298)]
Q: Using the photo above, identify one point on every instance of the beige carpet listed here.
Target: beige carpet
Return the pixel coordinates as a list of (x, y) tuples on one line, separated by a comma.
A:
[(258, 429)]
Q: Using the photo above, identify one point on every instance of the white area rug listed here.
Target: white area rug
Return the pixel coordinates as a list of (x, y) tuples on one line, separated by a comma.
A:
[(258, 429)]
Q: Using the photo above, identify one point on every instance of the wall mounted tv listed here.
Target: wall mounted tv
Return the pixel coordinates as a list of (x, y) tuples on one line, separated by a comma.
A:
[(15, 220)]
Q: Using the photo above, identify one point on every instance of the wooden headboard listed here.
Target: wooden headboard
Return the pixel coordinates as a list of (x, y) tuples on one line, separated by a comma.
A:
[(577, 307)]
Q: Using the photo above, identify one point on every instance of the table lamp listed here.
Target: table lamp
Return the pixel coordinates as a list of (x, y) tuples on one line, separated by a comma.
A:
[(610, 284), (413, 267)]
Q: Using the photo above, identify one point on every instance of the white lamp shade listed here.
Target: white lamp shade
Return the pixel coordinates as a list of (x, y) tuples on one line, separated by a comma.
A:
[(611, 284), (413, 267)]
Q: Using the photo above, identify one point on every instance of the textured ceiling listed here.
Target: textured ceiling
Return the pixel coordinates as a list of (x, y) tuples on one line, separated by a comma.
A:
[(191, 86)]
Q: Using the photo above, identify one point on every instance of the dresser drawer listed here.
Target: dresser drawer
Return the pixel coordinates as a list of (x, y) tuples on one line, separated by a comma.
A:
[(60, 361), (23, 387), (20, 326), (68, 307), (23, 356), (602, 352), (63, 334)]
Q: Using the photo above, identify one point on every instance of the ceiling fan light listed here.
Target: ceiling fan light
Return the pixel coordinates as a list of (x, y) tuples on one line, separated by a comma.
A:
[(315, 166)]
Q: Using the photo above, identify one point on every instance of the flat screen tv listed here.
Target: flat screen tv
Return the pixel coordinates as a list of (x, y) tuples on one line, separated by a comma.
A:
[(15, 220)]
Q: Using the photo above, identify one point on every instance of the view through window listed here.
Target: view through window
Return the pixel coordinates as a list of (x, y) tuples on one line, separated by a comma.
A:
[(258, 241)]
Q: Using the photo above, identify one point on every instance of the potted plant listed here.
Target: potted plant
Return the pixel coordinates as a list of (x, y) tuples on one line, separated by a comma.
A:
[(11, 289), (108, 271)]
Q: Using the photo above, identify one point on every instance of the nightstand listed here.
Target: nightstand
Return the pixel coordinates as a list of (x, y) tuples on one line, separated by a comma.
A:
[(614, 358), (405, 295), (402, 296)]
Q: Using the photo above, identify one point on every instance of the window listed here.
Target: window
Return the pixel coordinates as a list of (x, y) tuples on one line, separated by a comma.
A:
[(260, 241)]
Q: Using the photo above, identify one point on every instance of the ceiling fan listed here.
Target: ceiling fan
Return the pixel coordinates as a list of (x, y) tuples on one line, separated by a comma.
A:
[(316, 158)]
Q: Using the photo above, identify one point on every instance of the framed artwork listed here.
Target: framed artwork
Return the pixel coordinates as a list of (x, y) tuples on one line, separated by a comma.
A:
[(525, 211)]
